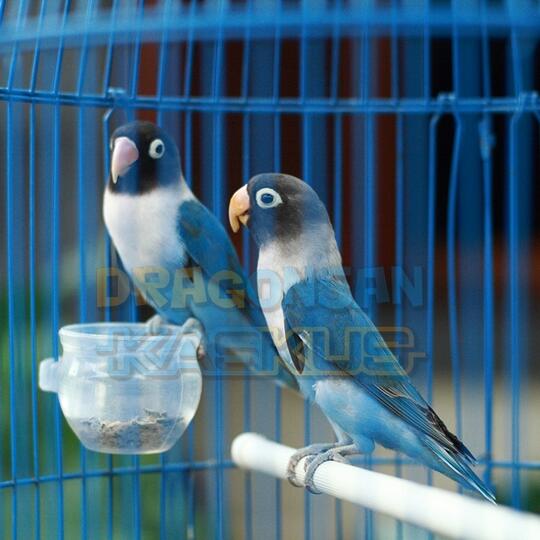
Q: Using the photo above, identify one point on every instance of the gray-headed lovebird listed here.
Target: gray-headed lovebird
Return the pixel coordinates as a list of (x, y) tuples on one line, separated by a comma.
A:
[(337, 355), (178, 254)]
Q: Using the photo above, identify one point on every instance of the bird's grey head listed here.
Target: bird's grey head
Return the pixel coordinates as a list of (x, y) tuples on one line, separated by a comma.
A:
[(143, 157), (278, 207)]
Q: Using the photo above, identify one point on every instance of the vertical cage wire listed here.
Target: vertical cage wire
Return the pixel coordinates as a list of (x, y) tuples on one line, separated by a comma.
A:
[(417, 123)]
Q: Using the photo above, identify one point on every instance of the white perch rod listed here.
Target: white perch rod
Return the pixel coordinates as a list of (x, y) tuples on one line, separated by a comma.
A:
[(443, 512)]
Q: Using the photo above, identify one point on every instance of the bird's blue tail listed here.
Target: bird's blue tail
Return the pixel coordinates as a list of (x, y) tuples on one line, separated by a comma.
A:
[(456, 465)]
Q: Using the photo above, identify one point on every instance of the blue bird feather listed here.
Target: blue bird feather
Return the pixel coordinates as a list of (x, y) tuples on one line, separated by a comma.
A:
[(179, 255), (384, 380), (340, 360), (210, 248)]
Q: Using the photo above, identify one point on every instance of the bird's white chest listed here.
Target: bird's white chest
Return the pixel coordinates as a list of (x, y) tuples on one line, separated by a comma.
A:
[(144, 228), (275, 275)]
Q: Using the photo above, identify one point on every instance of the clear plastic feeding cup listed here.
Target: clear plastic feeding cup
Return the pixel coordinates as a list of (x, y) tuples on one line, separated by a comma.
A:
[(124, 390)]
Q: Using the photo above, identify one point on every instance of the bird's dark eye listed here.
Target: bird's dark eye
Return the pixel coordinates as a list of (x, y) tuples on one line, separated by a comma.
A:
[(268, 198), (156, 149)]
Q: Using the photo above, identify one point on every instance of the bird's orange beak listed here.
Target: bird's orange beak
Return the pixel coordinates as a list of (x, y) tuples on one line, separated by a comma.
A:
[(124, 154), (239, 209)]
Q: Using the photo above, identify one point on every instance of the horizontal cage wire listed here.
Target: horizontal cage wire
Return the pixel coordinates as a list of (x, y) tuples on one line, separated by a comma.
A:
[(417, 124)]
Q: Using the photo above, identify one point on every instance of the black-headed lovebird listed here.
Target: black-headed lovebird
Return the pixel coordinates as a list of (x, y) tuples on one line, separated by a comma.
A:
[(337, 355), (178, 254)]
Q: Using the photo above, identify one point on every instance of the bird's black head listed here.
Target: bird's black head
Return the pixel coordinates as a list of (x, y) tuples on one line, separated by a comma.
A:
[(278, 207), (143, 157)]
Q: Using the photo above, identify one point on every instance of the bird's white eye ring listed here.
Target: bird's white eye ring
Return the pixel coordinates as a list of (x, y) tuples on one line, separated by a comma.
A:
[(268, 198), (156, 149)]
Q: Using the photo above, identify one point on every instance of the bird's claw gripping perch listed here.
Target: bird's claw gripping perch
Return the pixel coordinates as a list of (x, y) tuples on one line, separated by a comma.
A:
[(313, 462), (316, 454), (301, 453)]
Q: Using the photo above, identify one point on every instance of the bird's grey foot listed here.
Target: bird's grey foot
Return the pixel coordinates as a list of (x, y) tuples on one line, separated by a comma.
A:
[(154, 323), (336, 453), (311, 450), (201, 352), (194, 326)]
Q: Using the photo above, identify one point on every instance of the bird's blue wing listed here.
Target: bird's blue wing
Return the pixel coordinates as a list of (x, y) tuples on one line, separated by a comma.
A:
[(210, 248), (340, 337)]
